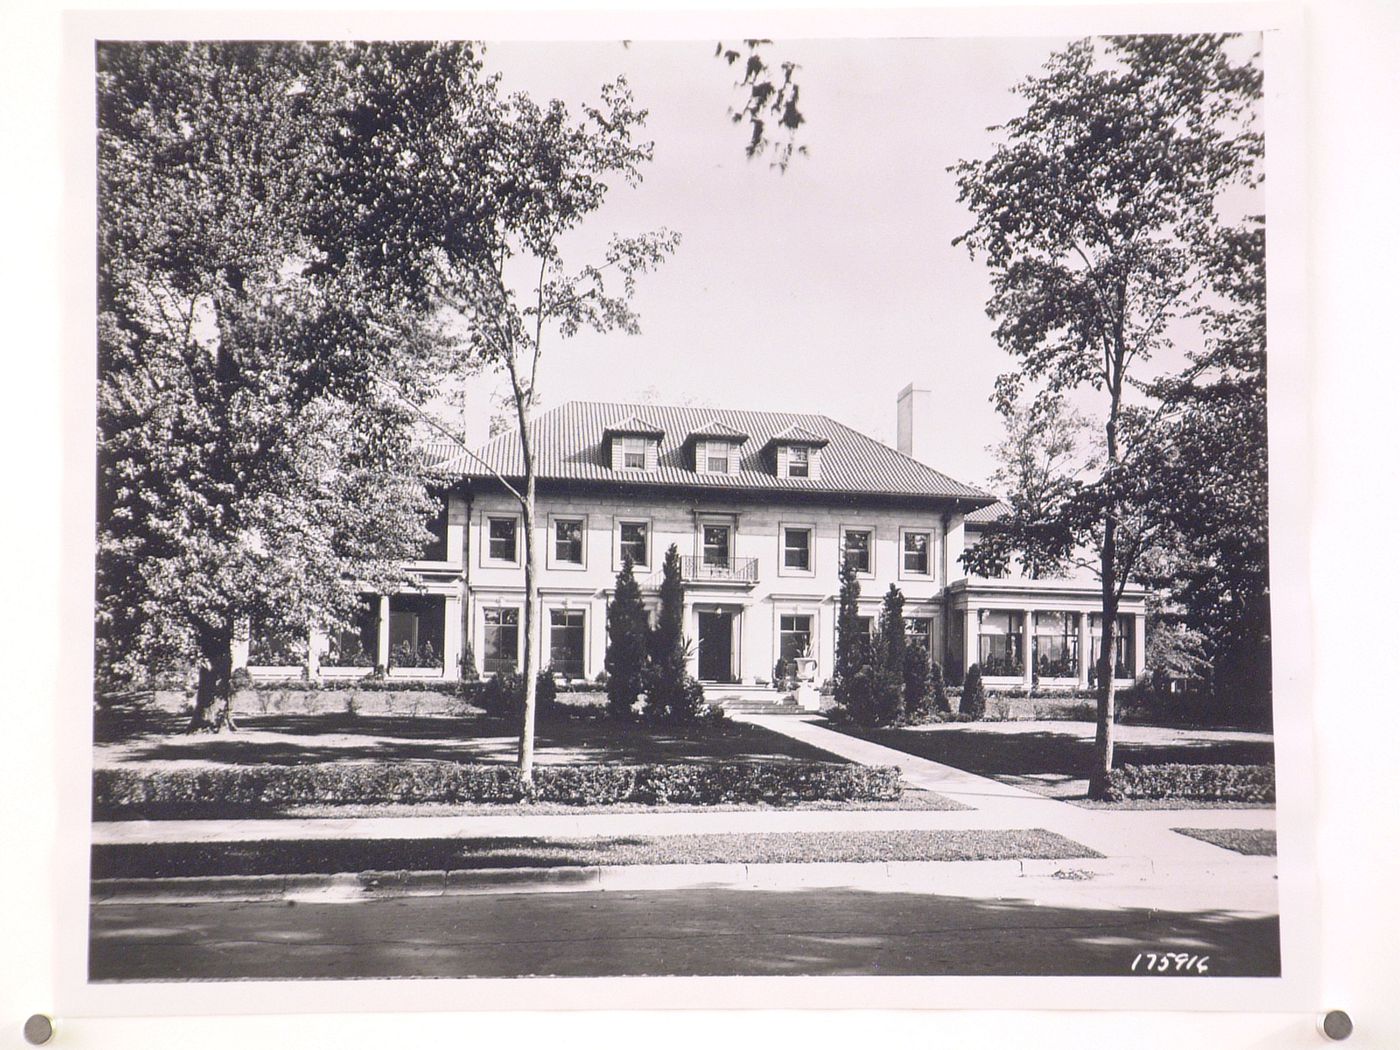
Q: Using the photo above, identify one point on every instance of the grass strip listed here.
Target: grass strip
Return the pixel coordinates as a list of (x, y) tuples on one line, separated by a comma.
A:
[(298, 857), (1252, 842)]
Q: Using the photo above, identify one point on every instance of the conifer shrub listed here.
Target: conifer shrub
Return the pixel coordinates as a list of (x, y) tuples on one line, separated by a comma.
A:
[(974, 695)]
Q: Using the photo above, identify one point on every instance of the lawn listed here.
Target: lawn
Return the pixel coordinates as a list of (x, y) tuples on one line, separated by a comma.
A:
[(1252, 842), (291, 857), (1053, 758), (289, 739)]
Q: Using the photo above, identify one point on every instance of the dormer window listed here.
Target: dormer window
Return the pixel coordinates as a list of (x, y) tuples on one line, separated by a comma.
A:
[(796, 452), (799, 461), (634, 453), (632, 444), (717, 457), (716, 447)]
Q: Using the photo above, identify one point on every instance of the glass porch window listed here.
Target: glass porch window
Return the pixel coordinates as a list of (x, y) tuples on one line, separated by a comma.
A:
[(501, 539), (568, 542), (716, 546), (416, 628), (916, 547), (794, 636), (634, 453), (1056, 644), (857, 549), (1122, 646), (500, 640), (999, 643), (356, 644), (566, 642), (632, 539), (799, 461), (797, 549)]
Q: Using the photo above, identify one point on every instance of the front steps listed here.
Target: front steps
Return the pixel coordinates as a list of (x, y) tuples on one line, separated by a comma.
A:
[(751, 700)]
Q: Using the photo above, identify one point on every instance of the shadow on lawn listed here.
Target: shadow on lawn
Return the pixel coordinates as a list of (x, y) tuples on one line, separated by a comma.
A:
[(703, 931), (1050, 754), (294, 739)]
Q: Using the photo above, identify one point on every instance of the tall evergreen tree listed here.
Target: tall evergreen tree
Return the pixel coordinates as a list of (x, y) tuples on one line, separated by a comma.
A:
[(626, 658), (890, 649), (852, 640), (673, 694)]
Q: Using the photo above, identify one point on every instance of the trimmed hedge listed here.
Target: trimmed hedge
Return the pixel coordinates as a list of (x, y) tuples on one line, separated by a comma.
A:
[(179, 792), (1207, 783)]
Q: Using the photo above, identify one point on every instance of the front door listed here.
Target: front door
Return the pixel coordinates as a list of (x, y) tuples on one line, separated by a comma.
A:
[(716, 656)]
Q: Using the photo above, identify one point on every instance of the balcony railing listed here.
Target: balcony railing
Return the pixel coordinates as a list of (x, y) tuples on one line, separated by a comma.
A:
[(719, 570)]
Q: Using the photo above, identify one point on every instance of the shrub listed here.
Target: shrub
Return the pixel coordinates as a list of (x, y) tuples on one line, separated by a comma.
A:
[(469, 672), (503, 695), (937, 689), (626, 657), (916, 681), (1207, 783), (974, 695), (179, 791)]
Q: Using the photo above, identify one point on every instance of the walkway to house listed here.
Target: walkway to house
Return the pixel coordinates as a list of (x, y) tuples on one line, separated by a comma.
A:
[(1114, 833)]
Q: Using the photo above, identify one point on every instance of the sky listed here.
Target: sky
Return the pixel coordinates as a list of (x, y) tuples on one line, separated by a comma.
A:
[(826, 288)]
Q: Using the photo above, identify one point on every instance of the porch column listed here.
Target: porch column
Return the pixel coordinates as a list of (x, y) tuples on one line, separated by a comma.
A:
[(452, 637), (381, 657), (970, 654), (692, 630), (751, 650), (1027, 648), (1139, 645), (1086, 656), (598, 636)]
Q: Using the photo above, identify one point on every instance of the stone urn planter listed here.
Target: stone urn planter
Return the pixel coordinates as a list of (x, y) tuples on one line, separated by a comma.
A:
[(806, 668)]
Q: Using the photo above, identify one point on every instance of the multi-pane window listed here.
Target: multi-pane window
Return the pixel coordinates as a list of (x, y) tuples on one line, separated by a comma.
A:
[(566, 642), (999, 643), (1056, 644), (797, 549), (794, 636), (500, 543), (717, 457), (634, 453), (919, 630), (916, 553), (857, 549), (716, 545), (798, 460), (1122, 645), (632, 540), (501, 640), (568, 541)]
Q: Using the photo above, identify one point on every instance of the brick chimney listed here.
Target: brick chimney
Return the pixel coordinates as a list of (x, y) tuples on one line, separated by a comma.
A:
[(914, 422)]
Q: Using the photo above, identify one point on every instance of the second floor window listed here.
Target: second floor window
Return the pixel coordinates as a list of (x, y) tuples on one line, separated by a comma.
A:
[(632, 539), (916, 548), (634, 453), (798, 461), (716, 544), (857, 549), (568, 542), (500, 544), (797, 549)]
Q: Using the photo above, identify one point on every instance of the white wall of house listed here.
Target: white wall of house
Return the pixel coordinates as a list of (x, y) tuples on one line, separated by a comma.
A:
[(757, 533)]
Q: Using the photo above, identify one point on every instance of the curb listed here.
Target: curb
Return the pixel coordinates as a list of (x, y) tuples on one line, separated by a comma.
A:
[(924, 876)]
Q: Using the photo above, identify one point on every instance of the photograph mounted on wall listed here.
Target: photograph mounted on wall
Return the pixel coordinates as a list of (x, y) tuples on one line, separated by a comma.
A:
[(701, 508)]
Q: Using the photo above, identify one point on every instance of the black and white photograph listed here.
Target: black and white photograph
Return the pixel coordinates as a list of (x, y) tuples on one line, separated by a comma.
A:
[(697, 508), (818, 520)]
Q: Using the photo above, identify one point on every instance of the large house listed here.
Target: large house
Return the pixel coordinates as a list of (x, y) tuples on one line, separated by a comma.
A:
[(762, 506)]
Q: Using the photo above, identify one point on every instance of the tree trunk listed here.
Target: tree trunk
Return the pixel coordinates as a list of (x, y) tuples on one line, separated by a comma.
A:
[(532, 650), (213, 704)]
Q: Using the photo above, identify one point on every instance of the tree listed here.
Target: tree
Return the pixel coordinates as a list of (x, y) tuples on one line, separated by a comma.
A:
[(1094, 214), (673, 694), (1210, 478), (769, 99), (973, 702), (938, 688), (1040, 463), (852, 639), (890, 648), (916, 681), (248, 469), (626, 658), (506, 180)]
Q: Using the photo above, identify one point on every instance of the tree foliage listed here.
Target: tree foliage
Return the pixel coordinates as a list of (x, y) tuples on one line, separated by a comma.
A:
[(248, 467), (1095, 214), (626, 657), (769, 103)]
